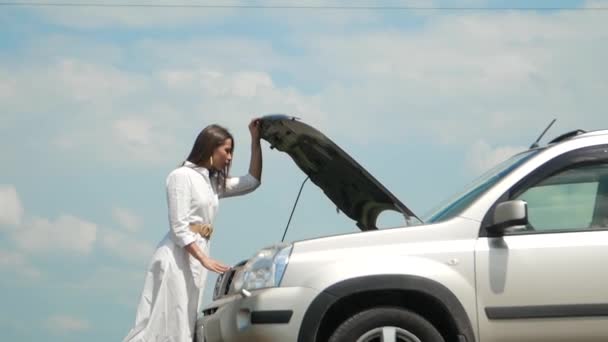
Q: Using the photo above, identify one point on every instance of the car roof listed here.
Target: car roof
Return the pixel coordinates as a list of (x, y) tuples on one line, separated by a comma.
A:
[(577, 134)]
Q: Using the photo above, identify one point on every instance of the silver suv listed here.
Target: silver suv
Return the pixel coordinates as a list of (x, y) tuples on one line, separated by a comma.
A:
[(519, 255)]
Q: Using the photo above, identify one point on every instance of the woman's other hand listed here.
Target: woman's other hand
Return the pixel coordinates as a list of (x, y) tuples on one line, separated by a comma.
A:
[(254, 129), (214, 265)]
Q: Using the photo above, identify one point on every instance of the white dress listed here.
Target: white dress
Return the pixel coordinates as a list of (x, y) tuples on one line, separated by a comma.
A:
[(174, 281)]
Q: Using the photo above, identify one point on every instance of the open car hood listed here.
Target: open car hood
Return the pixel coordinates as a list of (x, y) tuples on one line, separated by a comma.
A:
[(352, 189)]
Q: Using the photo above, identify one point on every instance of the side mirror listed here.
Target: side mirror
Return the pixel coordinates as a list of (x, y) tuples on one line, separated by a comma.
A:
[(509, 216)]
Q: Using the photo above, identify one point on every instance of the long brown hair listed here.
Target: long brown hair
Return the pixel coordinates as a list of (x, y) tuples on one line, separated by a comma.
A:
[(210, 138)]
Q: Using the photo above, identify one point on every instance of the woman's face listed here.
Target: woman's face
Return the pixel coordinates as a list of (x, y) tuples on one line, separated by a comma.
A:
[(222, 156)]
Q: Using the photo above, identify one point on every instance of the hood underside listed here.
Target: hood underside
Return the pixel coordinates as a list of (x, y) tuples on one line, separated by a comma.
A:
[(346, 183)]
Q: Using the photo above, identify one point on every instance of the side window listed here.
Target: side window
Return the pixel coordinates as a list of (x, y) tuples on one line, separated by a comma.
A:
[(572, 199)]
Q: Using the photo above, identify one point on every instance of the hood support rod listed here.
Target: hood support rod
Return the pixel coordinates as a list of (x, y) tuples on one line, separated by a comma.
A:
[(294, 208)]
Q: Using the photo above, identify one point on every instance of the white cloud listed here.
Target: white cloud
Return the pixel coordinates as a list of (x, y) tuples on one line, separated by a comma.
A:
[(232, 98), (141, 139), (18, 263), (249, 84), (133, 131), (7, 87), (121, 285), (463, 69), (516, 68), (71, 86), (67, 234), (594, 4), (65, 324), (131, 17), (497, 76), (125, 246), (127, 219), (481, 156), (214, 83), (86, 82), (90, 50), (12, 210), (96, 103)]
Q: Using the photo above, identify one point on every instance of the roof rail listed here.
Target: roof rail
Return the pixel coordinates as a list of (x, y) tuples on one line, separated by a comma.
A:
[(567, 136)]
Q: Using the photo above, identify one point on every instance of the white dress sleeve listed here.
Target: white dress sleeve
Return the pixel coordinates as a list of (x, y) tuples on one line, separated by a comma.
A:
[(179, 197), (236, 186)]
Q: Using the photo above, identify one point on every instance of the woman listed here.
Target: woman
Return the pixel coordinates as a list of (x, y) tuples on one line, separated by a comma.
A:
[(176, 275)]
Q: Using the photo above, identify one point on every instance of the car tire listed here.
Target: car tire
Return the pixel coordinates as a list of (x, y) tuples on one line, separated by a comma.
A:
[(386, 324)]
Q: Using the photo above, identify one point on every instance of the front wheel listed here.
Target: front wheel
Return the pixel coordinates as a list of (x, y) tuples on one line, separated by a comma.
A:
[(386, 324)]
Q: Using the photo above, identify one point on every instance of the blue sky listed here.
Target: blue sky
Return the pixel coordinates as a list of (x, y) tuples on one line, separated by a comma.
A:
[(97, 105)]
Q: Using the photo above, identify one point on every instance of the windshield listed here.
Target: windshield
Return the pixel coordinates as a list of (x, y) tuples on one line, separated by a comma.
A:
[(462, 200)]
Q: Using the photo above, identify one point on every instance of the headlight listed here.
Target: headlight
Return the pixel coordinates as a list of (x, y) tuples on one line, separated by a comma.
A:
[(265, 269)]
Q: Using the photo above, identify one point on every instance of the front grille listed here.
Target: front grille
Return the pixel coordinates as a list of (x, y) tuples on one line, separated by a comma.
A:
[(224, 281), (209, 312), (228, 281)]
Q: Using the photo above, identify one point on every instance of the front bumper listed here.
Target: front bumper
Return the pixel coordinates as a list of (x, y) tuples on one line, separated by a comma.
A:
[(273, 314)]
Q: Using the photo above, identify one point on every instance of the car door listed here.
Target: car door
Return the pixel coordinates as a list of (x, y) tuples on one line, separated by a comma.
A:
[(548, 280)]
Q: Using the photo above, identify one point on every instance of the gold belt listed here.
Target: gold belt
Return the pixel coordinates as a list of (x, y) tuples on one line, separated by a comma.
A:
[(204, 229)]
